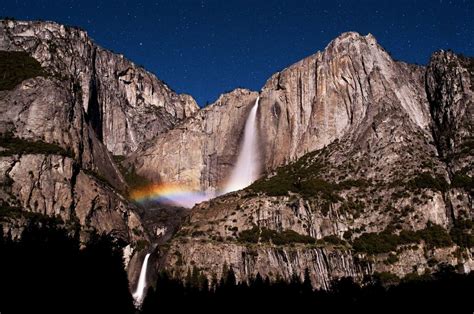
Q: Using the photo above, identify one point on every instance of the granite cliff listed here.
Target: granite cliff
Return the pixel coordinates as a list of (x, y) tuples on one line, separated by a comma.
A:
[(126, 105), (67, 106), (366, 162), (302, 108), (366, 167)]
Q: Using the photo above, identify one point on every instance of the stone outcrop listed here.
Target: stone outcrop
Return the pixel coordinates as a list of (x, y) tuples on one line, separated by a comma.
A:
[(331, 93), (126, 105), (304, 107), (50, 185), (203, 148), (51, 111), (450, 89), (90, 103), (388, 149), (78, 182), (323, 264), (352, 144)]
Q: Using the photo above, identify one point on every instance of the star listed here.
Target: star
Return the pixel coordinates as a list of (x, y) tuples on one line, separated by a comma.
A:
[(230, 42)]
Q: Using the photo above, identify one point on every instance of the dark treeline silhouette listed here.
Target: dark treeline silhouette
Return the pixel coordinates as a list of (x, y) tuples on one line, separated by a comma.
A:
[(47, 272), (445, 288)]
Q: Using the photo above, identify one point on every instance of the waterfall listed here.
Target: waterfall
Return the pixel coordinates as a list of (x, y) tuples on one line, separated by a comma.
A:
[(139, 294), (244, 173), (247, 168)]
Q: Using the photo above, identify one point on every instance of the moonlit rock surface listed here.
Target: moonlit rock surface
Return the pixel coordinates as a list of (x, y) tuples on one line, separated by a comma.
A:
[(358, 103), (50, 110), (246, 169), (302, 108), (139, 294), (129, 105)]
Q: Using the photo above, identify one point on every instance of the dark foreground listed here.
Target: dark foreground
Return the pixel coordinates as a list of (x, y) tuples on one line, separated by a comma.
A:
[(47, 272)]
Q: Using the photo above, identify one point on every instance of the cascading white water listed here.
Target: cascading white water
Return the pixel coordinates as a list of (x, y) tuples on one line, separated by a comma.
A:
[(139, 293), (247, 168), (244, 173)]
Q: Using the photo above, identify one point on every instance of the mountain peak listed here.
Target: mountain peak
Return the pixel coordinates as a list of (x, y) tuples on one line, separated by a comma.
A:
[(354, 148), (344, 40), (128, 90)]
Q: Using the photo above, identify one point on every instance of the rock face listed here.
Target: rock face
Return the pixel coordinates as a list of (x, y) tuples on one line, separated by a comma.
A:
[(450, 89), (89, 101), (367, 162), (302, 108), (50, 110), (374, 147), (60, 129), (331, 93), (125, 104), (50, 185), (323, 264), (52, 163), (203, 147)]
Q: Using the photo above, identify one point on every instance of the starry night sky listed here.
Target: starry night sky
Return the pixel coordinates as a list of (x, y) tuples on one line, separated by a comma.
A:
[(204, 47)]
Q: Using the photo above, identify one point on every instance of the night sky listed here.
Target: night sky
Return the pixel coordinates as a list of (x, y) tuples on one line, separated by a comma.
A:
[(205, 48)]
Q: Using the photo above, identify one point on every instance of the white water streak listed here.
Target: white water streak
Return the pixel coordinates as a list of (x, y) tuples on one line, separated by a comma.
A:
[(244, 173), (246, 170), (139, 294)]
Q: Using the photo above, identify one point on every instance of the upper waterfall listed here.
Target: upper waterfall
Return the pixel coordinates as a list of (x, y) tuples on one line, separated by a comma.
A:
[(244, 173), (247, 168)]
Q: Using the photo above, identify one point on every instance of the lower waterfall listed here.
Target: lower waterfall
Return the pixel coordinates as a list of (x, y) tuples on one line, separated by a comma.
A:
[(139, 293)]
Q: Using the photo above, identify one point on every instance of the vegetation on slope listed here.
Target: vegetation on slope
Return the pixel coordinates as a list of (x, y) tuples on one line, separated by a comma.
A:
[(17, 66), (8, 211), (462, 233), (264, 235), (304, 177), (387, 241), (433, 236), (288, 178), (463, 181), (13, 145), (425, 180)]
